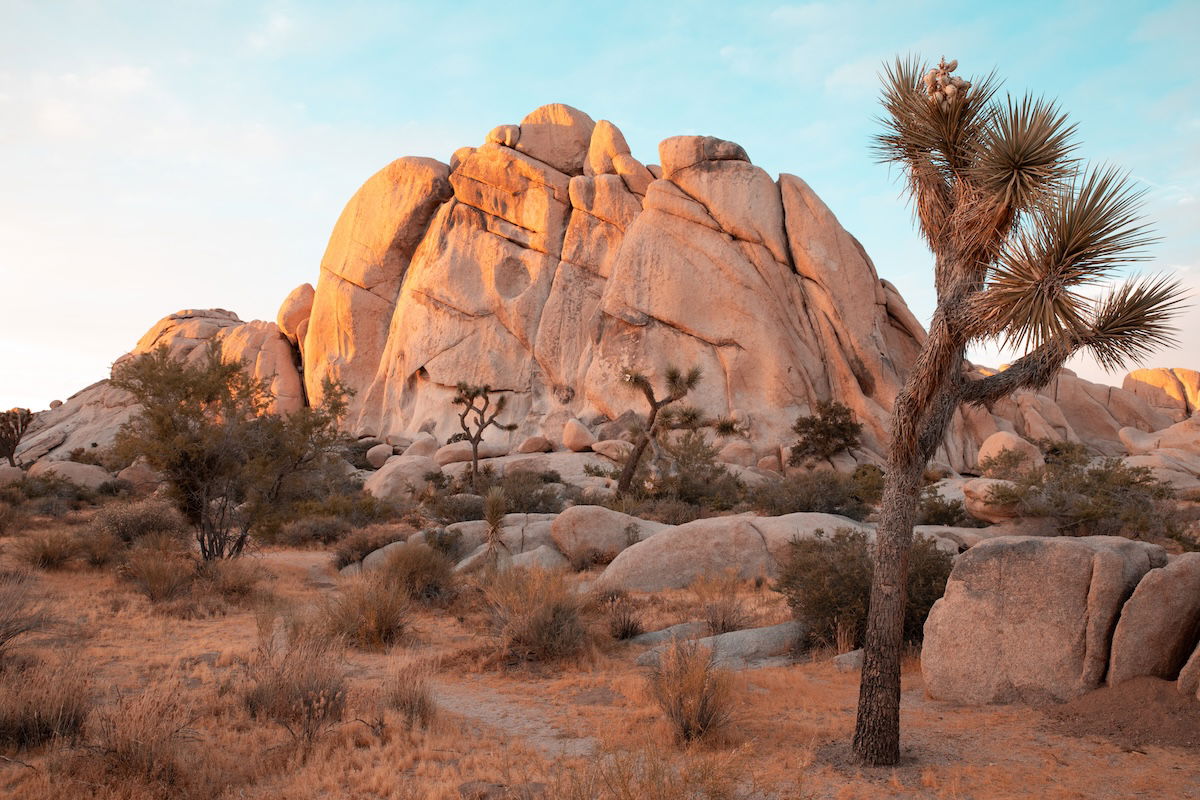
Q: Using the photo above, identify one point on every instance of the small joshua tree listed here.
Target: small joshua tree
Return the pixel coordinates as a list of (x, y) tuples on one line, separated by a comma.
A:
[(477, 400), (678, 385), (13, 425), (823, 435)]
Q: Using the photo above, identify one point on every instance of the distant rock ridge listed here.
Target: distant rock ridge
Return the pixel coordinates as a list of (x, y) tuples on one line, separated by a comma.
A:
[(549, 260)]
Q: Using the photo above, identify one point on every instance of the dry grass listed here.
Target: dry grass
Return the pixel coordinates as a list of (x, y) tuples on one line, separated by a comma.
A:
[(140, 737), (51, 549), (695, 695), (649, 773), (406, 690), (420, 572), (160, 575), (21, 610), (99, 549), (42, 702), (366, 611), (622, 616), (535, 614), (720, 603)]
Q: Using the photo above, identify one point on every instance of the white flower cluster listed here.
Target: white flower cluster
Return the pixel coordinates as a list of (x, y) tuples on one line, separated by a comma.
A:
[(944, 88)]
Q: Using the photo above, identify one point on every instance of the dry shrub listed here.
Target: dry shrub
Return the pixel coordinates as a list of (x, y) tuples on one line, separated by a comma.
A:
[(719, 602), (234, 580), (319, 530), (50, 549), (140, 738), (161, 575), (650, 773), (11, 518), (361, 543), (535, 614), (695, 695), (420, 572), (297, 680), (407, 691), (821, 490), (366, 611), (21, 610), (133, 522), (42, 702), (99, 550), (622, 615)]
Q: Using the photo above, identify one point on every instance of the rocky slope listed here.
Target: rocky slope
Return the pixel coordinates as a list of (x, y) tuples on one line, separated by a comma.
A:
[(548, 261)]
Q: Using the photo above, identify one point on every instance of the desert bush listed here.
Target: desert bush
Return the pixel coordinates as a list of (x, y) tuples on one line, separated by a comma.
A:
[(867, 480), (822, 491), (667, 511), (449, 508), (238, 582), (453, 500), (695, 695), (696, 477), (46, 495), (1104, 497), (161, 575), (140, 737), (933, 509), (831, 430), (827, 583), (535, 615), (118, 487), (356, 508), (11, 518), (407, 690), (99, 550), (48, 549), (297, 680), (531, 493), (652, 774), (361, 543), (719, 602), (21, 610), (308, 531), (133, 521), (622, 616), (1007, 464), (420, 572), (366, 612), (42, 702)]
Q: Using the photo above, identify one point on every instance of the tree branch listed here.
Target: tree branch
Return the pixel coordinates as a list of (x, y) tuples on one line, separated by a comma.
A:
[(1031, 371)]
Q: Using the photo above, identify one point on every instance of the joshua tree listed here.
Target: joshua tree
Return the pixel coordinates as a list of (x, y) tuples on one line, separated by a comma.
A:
[(13, 425), (1018, 230), (478, 400), (678, 385)]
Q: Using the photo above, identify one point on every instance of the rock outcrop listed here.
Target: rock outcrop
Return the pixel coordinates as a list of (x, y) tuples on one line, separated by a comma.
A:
[(1160, 625), (548, 261), (1029, 618)]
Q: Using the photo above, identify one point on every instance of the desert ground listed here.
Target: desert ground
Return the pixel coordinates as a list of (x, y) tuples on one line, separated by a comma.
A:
[(168, 718)]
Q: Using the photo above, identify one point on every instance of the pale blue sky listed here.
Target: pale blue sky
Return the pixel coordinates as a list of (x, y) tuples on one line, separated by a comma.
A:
[(158, 156)]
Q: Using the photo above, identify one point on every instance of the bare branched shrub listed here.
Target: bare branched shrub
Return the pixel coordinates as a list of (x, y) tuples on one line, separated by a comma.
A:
[(695, 695), (719, 602), (366, 611), (21, 610), (536, 615), (420, 572), (297, 680), (42, 702), (161, 575), (49, 549)]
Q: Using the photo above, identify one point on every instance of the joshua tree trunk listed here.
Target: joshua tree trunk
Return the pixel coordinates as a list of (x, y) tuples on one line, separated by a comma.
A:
[(639, 449)]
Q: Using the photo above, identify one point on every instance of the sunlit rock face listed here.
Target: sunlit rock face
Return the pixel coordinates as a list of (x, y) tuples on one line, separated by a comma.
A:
[(549, 260)]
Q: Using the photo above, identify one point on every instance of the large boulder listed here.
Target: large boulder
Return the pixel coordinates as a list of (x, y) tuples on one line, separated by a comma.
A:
[(89, 476), (402, 478), (745, 648), (1002, 441), (980, 502), (456, 452), (595, 534), (1159, 626), (559, 135), (294, 312), (1030, 618), (378, 455)]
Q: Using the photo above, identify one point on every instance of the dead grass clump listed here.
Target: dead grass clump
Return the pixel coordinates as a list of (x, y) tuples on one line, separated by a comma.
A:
[(11, 518), (140, 738), (366, 611), (159, 574), (21, 611), (50, 549), (131, 522), (622, 615), (296, 679), (99, 549), (361, 543), (407, 691), (309, 531), (695, 695), (237, 581), (719, 602), (42, 702), (650, 773), (420, 572), (536, 615)]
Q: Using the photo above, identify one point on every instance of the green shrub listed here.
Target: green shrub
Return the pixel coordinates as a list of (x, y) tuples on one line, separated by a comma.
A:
[(356, 508), (695, 695), (536, 615), (1106, 497), (696, 477), (308, 531), (1006, 465), (420, 572), (933, 509), (827, 583), (823, 491), (451, 508), (830, 431), (867, 480), (47, 495)]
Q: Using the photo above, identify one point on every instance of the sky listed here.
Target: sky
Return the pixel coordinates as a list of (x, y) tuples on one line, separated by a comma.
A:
[(161, 156)]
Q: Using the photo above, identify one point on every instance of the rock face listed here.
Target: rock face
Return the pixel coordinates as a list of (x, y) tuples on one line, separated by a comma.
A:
[(401, 478), (1175, 392), (1160, 625), (1029, 618), (548, 261)]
